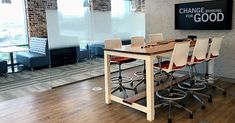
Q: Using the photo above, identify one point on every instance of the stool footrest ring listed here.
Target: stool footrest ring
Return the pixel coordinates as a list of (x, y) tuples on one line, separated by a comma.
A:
[(171, 94)]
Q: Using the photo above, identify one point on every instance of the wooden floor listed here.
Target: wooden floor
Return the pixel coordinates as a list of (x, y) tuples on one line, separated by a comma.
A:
[(78, 103)]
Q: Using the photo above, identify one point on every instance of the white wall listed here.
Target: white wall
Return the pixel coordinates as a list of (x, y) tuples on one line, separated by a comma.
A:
[(160, 18)]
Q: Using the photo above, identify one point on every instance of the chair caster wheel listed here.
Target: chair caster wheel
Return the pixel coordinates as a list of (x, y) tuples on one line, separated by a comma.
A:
[(157, 84), (210, 96), (169, 120), (224, 93), (203, 107), (131, 83), (182, 104), (136, 92), (210, 100), (191, 116)]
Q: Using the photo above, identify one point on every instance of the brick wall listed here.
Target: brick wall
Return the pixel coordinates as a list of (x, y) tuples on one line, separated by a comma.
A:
[(138, 5), (101, 5), (36, 14)]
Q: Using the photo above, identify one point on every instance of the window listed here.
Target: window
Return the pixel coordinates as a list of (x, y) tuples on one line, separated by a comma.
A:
[(13, 27)]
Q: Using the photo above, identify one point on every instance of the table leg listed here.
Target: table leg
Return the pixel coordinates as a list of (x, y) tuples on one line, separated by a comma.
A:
[(150, 88), (107, 75), (12, 62)]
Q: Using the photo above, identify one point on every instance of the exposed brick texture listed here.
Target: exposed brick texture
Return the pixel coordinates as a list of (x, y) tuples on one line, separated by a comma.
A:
[(138, 5), (101, 5), (36, 14)]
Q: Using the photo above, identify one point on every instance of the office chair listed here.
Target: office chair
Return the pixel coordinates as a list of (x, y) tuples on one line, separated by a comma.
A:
[(198, 56), (177, 62), (139, 41), (120, 80), (156, 38), (212, 54)]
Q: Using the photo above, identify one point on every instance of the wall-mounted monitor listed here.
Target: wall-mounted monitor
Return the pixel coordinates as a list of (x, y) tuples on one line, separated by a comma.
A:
[(206, 15)]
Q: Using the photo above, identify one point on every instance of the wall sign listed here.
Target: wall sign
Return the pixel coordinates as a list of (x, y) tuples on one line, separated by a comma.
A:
[(208, 15)]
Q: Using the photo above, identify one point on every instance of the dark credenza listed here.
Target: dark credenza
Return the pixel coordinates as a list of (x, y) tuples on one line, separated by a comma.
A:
[(63, 56), (70, 55)]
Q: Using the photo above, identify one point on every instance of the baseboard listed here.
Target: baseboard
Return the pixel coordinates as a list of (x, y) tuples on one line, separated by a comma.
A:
[(225, 79), (231, 80)]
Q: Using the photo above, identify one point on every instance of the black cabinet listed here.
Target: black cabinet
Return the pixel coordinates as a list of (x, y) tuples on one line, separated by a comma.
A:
[(63, 56)]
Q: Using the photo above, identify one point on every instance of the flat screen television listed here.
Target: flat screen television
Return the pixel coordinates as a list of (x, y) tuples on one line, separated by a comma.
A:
[(206, 15)]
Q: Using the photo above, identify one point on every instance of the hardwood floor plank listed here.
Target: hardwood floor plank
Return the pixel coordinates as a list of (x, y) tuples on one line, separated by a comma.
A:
[(78, 103)]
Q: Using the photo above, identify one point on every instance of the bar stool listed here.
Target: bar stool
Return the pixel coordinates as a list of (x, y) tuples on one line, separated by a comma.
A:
[(155, 38), (120, 80), (212, 54), (138, 41), (177, 62), (198, 56)]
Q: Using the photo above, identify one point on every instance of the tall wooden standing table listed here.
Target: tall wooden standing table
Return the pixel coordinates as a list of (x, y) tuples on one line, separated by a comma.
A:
[(148, 54)]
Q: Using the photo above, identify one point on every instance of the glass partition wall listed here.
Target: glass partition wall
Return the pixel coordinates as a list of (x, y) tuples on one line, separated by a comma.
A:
[(78, 28), (24, 61), (74, 49)]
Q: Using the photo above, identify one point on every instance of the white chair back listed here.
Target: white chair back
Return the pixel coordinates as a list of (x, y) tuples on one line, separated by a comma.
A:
[(137, 41), (157, 37), (215, 46), (200, 50), (179, 55), (113, 43)]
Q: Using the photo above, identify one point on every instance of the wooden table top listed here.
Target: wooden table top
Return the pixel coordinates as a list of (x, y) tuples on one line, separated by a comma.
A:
[(151, 49)]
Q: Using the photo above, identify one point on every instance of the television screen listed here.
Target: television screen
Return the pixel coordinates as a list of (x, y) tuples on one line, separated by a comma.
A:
[(207, 15)]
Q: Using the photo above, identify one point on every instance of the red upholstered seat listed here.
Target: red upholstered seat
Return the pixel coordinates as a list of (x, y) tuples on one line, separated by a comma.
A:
[(165, 65), (212, 56), (195, 60), (121, 60)]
